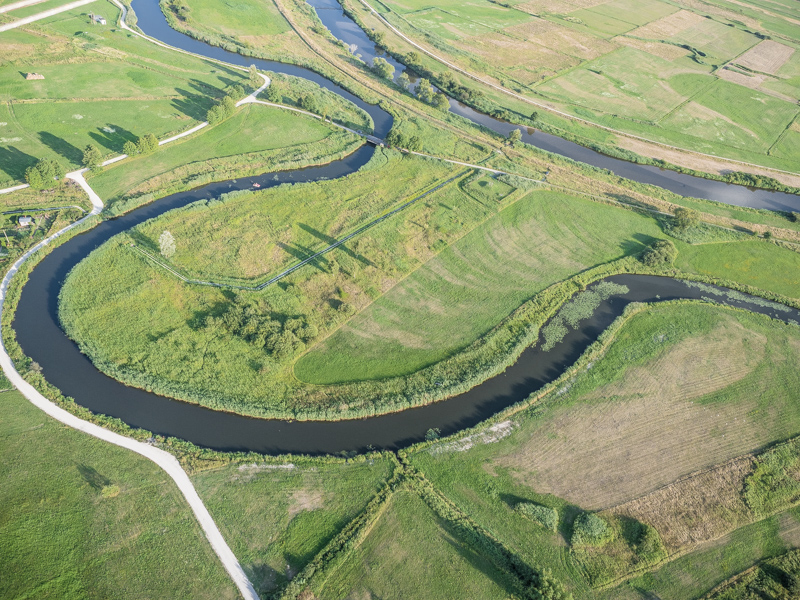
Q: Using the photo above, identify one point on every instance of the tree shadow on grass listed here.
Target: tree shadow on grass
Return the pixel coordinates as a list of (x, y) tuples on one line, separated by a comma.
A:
[(194, 106), (61, 146), (112, 137), (331, 240), (302, 253), (92, 477), (14, 162)]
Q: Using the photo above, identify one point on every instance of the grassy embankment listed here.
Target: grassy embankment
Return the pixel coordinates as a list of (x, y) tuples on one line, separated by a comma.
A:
[(653, 69), (102, 86), (84, 519), (622, 436)]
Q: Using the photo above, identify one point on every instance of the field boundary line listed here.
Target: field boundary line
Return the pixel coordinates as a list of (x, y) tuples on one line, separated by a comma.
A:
[(555, 110)]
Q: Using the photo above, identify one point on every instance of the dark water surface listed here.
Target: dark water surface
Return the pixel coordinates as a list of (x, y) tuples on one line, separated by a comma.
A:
[(41, 337)]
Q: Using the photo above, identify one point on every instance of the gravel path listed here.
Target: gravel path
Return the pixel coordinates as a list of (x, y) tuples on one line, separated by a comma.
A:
[(44, 15)]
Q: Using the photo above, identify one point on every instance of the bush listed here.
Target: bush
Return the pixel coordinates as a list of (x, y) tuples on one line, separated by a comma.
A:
[(590, 530), (661, 253), (543, 515), (308, 103)]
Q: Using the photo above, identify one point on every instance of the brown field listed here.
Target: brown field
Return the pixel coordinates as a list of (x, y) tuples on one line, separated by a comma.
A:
[(557, 7), (504, 51), (695, 509), (767, 57), (666, 27), (751, 81), (665, 51), (630, 438)]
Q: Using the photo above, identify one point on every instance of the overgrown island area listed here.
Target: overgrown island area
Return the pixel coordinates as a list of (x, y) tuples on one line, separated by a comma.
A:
[(511, 374)]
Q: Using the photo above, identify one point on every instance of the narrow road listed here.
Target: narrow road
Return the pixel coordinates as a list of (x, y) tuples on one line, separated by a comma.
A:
[(44, 15), (20, 4)]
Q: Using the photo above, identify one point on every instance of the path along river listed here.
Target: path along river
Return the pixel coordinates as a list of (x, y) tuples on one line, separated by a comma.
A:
[(41, 337)]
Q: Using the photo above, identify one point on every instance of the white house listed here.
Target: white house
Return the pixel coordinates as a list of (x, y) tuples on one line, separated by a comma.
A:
[(25, 221)]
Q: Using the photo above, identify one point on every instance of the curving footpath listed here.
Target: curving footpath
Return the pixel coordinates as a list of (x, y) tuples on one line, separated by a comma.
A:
[(163, 459)]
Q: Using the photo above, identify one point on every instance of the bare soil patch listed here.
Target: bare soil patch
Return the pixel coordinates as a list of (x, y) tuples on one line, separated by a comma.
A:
[(767, 57), (305, 500), (697, 508), (632, 437)]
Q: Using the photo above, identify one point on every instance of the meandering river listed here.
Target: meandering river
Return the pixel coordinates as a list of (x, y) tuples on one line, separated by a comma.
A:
[(42, 338)]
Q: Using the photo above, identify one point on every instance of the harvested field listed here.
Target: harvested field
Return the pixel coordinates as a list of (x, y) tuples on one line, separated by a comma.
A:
[(767, 57), (751, 81), (697, 508), (697, 403), (665, 51), (668, 26)]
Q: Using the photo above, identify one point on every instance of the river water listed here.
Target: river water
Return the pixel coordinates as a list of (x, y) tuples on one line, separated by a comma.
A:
[(344, 28), (41, 337)]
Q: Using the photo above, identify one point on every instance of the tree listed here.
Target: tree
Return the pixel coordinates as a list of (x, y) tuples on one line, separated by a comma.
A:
[(441, 101), (273, 94), (44, 174), (404, 80), (685, 218), (166, 244), (412, 59), (661, 253), (383, 68), (255, 78), (147, 144), (514, 135), (34, 178), (433, 434), (130, 148), (92, 157), (425, 91), (307, 102), (534, 116), (379, 38)]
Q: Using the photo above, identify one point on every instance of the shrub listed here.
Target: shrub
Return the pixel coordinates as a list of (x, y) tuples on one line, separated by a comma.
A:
[(661, 253), (441, 102), (307, 102), (591, 530), (685, 218), (166, 244), (543, 515)]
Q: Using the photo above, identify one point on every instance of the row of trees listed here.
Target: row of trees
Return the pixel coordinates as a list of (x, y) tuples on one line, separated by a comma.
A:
[(225, 107)]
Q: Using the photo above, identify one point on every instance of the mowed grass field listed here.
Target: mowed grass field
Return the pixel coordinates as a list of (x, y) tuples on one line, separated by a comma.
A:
[(626, 65), (680, 389), (277, 517), (101, 86), (410, 553), (244, 141), (84, 519), (469, 288)]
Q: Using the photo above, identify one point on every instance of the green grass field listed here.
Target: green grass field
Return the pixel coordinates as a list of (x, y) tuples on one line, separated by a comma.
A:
[(411, 554), (277, 517), (485, 276), (101, 86), (646, 414), (84, 519), (249, 140), (616, 63)]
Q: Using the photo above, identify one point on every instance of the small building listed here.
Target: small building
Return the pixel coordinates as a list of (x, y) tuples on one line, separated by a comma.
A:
[(25, 221), (34, 76), (98, 19)]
